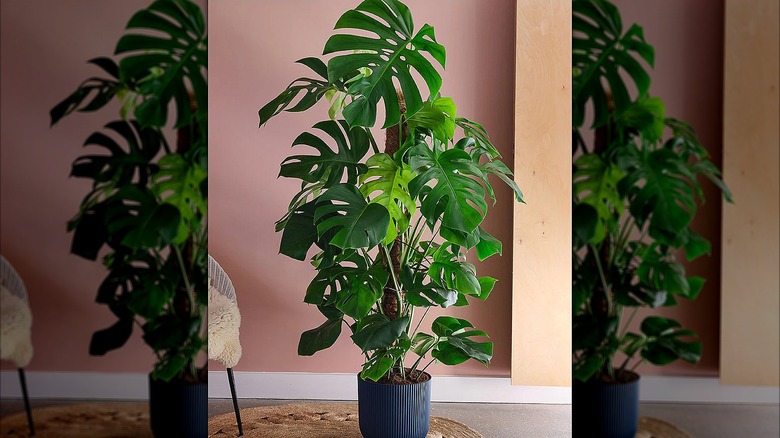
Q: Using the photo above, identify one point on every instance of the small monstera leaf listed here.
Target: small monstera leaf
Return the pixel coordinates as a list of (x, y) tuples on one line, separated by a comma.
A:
[(329, 166), (438, 116), (391, 181), (481, 144), (357, 223), (390, 56), (600, 51), (455, 345), (168, 67), (663, 344), (102, 91), (312, 89), (456, 195)]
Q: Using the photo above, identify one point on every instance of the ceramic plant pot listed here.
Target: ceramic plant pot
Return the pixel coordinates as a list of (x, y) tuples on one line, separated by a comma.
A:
[(608, 410), (178, 409), (394, 411)]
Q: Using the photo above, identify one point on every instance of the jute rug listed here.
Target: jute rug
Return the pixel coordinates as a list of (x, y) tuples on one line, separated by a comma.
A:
[(650, 427), (325, 420), (88, 420)]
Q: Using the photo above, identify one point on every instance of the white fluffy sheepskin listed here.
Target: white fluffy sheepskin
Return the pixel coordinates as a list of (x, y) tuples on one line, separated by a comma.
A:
[(224, 321), (15, 324)]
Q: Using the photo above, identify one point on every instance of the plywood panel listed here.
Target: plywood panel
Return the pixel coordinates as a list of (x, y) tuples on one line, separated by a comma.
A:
[(541, 304), (750, 327)]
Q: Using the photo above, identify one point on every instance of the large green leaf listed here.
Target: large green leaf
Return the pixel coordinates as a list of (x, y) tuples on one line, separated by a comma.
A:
[(450, 273), (354, 287), (391, 181), (456, 195), (378, 331), (319, 338), (112, 337), (658, 186), (422, 294), (132, 162), (358, 224), (329, 166), (168, 63), (391, 56), (300, 232), (135, 213), (601, 52), (364, 288)]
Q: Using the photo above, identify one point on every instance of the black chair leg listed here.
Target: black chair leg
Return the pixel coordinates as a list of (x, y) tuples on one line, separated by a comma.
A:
[(26, 401), (235, 401)]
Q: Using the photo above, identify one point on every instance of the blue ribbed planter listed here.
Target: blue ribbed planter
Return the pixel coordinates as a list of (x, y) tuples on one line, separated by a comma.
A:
[(394, 411), (178, 409), (607, 410)]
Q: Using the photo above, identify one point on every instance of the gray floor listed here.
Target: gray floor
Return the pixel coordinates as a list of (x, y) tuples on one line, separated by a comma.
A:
[(551, 421), (491, 420), (719, 420)]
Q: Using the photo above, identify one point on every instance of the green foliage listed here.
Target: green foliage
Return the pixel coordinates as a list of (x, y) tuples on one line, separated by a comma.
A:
[(394, 52), (146, 211), (392, 224), (635, 195)]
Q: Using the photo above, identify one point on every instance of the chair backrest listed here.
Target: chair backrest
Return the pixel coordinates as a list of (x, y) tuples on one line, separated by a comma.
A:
[(220, 280), (11, 279)]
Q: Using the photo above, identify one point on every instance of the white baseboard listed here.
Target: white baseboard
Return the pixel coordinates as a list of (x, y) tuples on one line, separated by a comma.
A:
[(77, 385), (309, 386), (702, 390)]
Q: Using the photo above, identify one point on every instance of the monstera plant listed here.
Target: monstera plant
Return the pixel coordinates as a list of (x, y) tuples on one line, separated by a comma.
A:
[(391, 228), (636, 190), (145, 214)]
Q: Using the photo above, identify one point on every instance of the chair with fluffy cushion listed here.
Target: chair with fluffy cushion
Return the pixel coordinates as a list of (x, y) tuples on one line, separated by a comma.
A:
[(15, 324), (224, 322)]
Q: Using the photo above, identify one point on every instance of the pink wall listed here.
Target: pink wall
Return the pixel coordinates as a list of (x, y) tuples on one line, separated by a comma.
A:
[(253, 46), (688, 75), (45, 46)]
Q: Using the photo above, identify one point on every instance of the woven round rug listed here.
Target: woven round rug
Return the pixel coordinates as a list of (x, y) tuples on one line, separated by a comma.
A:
[(324, 420), (650, 427), (87, 420)]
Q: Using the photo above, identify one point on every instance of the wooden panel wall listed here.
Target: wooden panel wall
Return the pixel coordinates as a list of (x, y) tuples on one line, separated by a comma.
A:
[(750, 313), (541, 304)]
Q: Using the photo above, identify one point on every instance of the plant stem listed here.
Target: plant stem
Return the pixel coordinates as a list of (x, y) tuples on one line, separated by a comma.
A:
[(392, 275), (187, 284), (630, 318), (622, 367), (421, 320), (425, 368), (603, 278)]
